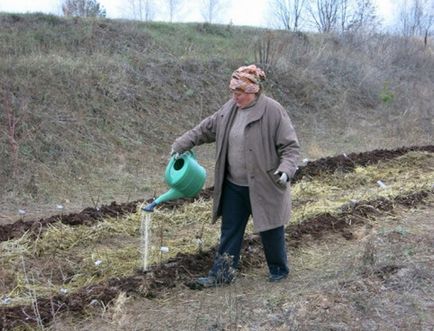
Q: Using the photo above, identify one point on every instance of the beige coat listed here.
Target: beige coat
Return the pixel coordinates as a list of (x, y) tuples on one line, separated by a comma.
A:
[(270, 145)]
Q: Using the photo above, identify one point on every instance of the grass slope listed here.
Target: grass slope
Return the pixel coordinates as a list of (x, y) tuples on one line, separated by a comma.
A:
[(97, 103)]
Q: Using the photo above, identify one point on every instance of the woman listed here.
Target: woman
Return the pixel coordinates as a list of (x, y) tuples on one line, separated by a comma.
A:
[(256, 156)]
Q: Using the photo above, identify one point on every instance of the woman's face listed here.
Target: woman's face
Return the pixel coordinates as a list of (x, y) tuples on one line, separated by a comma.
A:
[(243, 99)]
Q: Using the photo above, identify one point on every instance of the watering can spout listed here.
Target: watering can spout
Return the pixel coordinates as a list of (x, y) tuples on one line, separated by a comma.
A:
[(150, 208), (172, 194)]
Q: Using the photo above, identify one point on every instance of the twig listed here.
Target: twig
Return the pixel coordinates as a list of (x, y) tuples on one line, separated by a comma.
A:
[(33, 296)]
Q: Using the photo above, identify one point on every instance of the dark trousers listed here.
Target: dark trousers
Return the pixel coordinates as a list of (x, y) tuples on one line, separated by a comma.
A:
[(236, 210)]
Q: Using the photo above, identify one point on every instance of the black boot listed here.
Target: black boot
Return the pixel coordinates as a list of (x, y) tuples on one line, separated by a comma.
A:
[(208, 281)]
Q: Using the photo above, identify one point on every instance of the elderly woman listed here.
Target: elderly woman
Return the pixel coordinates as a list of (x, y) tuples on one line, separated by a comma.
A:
[(256, 156)]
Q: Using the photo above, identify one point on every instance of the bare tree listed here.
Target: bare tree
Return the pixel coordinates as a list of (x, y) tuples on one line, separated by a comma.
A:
[(85, 8), (325, 14), (410, 17), (287, 13), (343, 15), (173, 6), (416, 18), (362, 18), (211, 9), (344, 11), (428, 25), (143, 10), (14, 123)]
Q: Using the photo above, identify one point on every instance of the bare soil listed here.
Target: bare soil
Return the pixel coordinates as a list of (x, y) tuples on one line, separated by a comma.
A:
[(181, 270), (177, 275), (382, 278), (345, 163)]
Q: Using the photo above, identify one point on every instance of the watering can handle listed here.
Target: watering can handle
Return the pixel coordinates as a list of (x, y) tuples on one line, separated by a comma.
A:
[(173, 158), (193, 154)]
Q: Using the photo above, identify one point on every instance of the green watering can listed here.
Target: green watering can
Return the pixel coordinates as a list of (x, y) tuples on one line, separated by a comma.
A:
[(185, 177)]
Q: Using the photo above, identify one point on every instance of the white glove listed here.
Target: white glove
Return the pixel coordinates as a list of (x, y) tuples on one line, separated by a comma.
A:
[(177, 155), (173, 153), (283, 179)]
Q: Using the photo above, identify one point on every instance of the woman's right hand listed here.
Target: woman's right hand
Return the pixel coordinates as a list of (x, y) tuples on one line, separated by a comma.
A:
[(176, 154)]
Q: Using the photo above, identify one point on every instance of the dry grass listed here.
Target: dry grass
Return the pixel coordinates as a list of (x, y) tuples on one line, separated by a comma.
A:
[(333, 285), (99, 103), (111, 96), (411, 172), (64, 257)]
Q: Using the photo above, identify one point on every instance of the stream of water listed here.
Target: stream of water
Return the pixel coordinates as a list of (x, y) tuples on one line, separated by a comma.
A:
[(145, 235)]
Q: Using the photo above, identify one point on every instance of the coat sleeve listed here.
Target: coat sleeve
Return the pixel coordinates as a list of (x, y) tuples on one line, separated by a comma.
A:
[(203, 133), (287, 145)]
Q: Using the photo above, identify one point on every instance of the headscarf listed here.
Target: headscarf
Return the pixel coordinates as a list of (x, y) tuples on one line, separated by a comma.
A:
[(247, 79)]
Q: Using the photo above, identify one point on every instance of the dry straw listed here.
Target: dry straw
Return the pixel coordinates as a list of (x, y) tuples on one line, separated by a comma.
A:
[(83, 255)]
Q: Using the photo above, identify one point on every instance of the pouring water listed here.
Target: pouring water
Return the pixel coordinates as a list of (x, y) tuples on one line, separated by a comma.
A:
[(145, 223), (185, 178)]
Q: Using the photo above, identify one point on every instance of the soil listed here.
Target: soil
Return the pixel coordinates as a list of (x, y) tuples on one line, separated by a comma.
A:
[(183, 268), (381, 279), (345, 163)]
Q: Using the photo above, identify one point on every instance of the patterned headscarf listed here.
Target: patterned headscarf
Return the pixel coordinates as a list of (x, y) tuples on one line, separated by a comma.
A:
[(247, 79)]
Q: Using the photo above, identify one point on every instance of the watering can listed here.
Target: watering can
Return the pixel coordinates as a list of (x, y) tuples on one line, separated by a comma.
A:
[(185, 177)]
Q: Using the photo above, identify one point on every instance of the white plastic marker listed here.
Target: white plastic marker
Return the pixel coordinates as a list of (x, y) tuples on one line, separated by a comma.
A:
[(164, 249), (381, 184)]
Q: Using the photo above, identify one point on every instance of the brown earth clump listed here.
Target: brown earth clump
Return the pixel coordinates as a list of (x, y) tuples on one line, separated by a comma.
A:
[(184, 267), (344, 163), (347, 163)]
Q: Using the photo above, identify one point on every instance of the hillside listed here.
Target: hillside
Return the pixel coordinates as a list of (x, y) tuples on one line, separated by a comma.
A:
[(89, 108)]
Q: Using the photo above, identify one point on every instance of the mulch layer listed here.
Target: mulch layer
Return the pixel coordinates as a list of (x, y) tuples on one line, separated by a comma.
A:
[(88, 216), (181, 270)]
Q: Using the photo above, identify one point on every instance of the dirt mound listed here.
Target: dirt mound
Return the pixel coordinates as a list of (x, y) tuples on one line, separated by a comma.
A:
[(182, 268), (353, 214), (347, 163), (86, 216), (344, 163)]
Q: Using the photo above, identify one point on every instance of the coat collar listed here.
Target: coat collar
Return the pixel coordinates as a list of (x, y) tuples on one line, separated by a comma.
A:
[(257, 110), (255, 113)]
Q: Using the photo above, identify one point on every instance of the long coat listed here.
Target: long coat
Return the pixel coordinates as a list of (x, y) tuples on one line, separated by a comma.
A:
[(270, 145)]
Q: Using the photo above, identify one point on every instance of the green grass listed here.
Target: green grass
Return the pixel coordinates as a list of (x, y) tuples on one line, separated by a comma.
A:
[(202, 42)]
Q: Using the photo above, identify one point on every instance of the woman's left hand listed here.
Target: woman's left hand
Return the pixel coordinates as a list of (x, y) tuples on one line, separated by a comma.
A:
[(283, 179)]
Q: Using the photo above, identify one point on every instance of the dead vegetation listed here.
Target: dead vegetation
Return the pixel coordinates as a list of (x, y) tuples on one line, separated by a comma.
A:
[(67, 268), (97, 103), (91, 109), (381, 279), (341, 163)]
